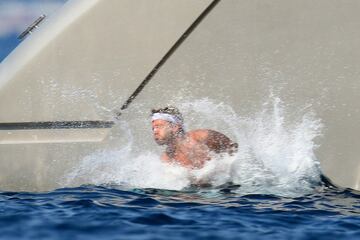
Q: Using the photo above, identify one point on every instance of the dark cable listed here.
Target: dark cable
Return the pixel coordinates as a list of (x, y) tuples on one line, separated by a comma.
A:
[(167, 56)]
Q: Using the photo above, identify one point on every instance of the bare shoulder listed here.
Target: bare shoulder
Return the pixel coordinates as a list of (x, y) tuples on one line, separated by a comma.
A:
[(215, 140), (200, 135), (206, 134)]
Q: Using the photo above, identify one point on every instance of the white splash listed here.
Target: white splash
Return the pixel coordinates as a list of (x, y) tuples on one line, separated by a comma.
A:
[(275, 156)]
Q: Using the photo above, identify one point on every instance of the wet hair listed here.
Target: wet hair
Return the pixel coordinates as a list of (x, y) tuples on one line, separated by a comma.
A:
[(172, 111), (169, 110)]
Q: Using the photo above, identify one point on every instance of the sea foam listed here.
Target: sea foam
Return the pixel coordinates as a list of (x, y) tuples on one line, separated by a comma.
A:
[(275, 155)]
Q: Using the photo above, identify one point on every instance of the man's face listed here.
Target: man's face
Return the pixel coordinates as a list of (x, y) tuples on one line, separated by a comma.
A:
[(163, 131)]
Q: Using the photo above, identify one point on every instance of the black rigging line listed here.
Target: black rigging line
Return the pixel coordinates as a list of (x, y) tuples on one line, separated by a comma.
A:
[(167, 56)]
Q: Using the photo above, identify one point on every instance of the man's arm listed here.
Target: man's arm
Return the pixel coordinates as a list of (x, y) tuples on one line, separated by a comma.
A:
[(165, 157)]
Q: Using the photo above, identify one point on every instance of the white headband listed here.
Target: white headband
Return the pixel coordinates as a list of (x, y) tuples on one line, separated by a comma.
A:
[(166, 117)]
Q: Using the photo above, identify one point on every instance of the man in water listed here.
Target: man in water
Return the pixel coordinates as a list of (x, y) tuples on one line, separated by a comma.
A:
[(189, 149)]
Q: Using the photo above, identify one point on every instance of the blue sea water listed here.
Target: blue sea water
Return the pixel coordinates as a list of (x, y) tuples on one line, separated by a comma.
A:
[(113, 212)]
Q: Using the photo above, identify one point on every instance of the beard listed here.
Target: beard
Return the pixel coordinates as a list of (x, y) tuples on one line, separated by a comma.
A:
[(161, 141), (164, 140)]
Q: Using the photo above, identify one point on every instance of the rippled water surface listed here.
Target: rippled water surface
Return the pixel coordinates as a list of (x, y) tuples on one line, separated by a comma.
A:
[(112, 212)]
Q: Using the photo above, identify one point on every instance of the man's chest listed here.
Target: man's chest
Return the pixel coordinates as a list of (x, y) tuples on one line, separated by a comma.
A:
[(191, 153)]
